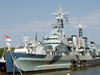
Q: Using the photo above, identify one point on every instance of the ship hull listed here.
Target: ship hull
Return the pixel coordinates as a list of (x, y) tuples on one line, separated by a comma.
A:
[(93, 62), (34, 62)]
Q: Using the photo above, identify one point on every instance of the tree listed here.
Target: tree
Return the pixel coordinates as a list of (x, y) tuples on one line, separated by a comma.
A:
[(2, 51)]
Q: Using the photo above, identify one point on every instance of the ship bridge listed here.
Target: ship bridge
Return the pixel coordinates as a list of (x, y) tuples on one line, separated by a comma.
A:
[(56, 30)]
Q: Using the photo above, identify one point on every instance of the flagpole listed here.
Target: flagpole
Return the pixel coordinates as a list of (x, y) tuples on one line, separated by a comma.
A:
[(4, 42)]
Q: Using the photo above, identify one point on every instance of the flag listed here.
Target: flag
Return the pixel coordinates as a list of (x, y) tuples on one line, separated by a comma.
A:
[(6, 36)]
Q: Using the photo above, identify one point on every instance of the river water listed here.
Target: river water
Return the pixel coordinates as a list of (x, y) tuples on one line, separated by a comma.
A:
[(90, 71)]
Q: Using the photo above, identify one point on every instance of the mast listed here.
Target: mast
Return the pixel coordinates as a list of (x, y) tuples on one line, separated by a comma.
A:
[(36, 37), (59, 18), (80, 33)]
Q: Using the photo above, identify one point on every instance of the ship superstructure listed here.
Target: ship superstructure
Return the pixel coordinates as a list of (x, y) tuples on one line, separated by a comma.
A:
[(57, 36)]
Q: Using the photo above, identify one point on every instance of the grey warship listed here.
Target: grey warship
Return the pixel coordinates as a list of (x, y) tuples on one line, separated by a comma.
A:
[(55, 52)]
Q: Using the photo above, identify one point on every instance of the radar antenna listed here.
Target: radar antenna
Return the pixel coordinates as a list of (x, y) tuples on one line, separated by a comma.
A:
[(58, 14)]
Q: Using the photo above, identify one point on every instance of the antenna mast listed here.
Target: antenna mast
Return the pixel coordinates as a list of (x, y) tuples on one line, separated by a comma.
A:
[(58, 14), (59, 17)]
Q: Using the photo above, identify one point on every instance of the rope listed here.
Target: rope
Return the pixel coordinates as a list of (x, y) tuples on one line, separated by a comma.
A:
[(14, 70), (15, 64)]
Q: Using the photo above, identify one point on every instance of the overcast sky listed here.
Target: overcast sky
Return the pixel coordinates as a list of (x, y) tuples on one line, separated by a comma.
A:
[(20, 18)]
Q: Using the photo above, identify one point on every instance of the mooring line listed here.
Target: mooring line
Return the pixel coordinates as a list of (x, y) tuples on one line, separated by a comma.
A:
[(15, 64)]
